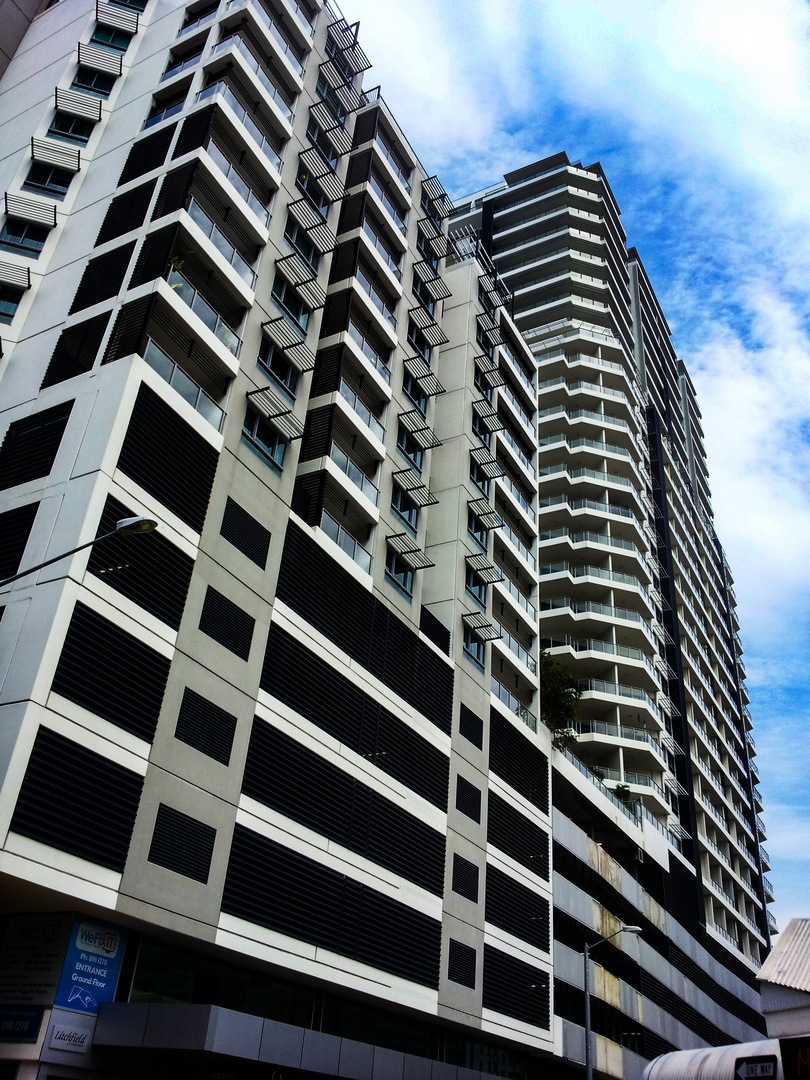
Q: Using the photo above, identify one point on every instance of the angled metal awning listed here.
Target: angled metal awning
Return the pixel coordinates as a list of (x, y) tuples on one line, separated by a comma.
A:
[(328, 180), (495, 289), (418, 369), (346, 38), (486, 462), (303, 280), (410, 482), (490, 370), (422, 432), (278, 411), (294, 347), (490, 329), (671, 745), (483, 627), (488, 517), (100, 59), (488, 571), (349, 98), (406, 547), (431, 280), (332, 129), (41, 213), (486, 413), (313, 224), (428, 325), (439, 199), (441, 244), (675, 785)]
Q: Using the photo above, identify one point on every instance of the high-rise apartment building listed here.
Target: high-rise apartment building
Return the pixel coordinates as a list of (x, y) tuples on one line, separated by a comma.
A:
[(276, 796)]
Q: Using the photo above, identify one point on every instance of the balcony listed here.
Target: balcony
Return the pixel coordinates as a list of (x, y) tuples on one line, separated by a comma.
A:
[(517, 496), (517, 411), (280, 47), (513, 704), (381, 251), (517, 369), (196, 24), (354, 473), (222, 244), (377, 304), (266, 151), (398, 218), (517, 453), (620, 690), (367, 350), (362, 410), (237, 45), (517, 597), (514, 646), (519, 547), (183, 288), (346, 542), (183, 384), (259, 209)]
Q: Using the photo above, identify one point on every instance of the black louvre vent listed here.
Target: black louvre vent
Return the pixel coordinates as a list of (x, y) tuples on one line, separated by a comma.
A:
[(359, 169), (174, 190), (468, 798), (471, 726), (102, 277), (465, 878), (168, 458), (183, 844), (332, 601), (77, 801), (194, 132), (245, 533), (206, 727), (336, 313), (129, 329), (352, 212), (317, 691), (516, 989), (111, 673), (517, 909), (516, 836), (126, 212), (340, 807), (272, 886), (433, 629), (516, 759), (76, 350), (153, 257), (150, 571), (31, 444), (147, 154), (461, 964), (226, 623), (344, 261), (15, 528), (365, 127)]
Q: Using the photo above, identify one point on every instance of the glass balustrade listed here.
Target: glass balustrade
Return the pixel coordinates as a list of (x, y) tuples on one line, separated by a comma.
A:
[(354, 473), (222, 90), (362, 410), (369, 352), (346, 542), (267, 20), (221, 243), (382, 251), (514, 704), (514, 646), (521, 456), (185, 386), (261, 211), (510, 587), (237, 43), (392, 161), (203, 310), (396, 214), (377, 300)]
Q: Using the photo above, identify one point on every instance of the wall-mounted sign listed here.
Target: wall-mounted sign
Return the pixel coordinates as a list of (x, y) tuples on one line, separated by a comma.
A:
[(91, 968), (31, 958)]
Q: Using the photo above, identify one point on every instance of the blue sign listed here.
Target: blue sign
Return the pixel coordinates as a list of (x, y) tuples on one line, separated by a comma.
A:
[(91, 968)]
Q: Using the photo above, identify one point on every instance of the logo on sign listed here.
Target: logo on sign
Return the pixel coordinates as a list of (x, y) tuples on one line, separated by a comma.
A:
[(97, 939)]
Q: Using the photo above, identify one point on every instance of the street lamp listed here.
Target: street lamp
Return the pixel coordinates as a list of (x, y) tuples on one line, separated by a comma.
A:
[(130, 526), (587, 969)]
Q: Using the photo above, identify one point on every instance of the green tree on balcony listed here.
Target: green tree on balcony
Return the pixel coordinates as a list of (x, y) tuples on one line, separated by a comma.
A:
[(559, 701)]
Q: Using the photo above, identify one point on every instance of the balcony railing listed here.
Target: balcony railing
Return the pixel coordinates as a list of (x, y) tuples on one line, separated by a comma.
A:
[(354, 473), (182, 65), (221, 243), (517, 369), (396, 214), (346, 542), (376, 299), (513, 704), (224, 91), (369, 352), (237, 43), (516, 405), (515, 592), (518, 545), (518, 495), (599, 686), (514, 646), (382, 251), (362, 410), (275, 33), (521, 456), (185, 386), (392, 161), (203, 19), (261, 211), (594, 645), (619, 731), (203, 310)]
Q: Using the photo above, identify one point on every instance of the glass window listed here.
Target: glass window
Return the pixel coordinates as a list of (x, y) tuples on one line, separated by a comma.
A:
[(133, 5), (398, 571), (47, 180), (23, 237), (9, 302), (418, 342), (258, 434), (333, 51), (474, 647), (481, 384), (274, 363), (318, 138), (410, 448), (289, 301), (426, 251), (479, 477), (305, 182), (298, 239), (480, 429), (108, 38), (71, 128), (99, 83), (422, 295), (404, 507), (328, 97), (414, 392), (486, 348), (476, 586), (165, 107), (476, 529)]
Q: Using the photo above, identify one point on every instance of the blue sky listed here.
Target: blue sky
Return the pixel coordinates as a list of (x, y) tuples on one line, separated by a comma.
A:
[(699, 110)]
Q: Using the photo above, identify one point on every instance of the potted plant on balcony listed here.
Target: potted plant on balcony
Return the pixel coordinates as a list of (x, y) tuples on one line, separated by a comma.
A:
[(559, 700)]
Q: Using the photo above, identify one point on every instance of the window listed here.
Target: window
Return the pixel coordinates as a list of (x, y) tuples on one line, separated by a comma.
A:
[(410, 448), (426, 204), (23, 237), (318, 138), (486, 348), (328, 97), (297, 237), (398, 571), (178, 63), (274, 363), (485, 300), (335, 54), (476, 529), (93, 82), (71, 128), (305, 182), (414, 392), (133, 5), (426, 251), (474, 647), (9, 302), (480, 429), (289, 301), (404, 507), (476, 586), (418, 342), (481, 384), (162, 108), (47, 180), (107, 38), (265, 440), (479, 477), (422, 295)]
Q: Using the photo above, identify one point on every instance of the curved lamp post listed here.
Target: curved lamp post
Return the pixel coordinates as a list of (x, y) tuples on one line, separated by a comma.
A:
[(587, 956), (125, 527)]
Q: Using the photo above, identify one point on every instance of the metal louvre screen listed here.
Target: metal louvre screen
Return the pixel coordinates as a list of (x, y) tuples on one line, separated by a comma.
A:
[(435, 630), (517, 909), (516, 989), (205, 726), (317, 691), (111, 673), (129, 329), (15, 528), (147, 154), (516, 759), (126, 212), (168, 458), (76, 350), (151, 571), (102, 277), (332, 601), (245, 533), (183, 844), (31, 444), (53, 805), (341, 808), (516, 836), (465, 878), (271, 886), (471, 726), (468, 798), (225, 622), (461, 963)]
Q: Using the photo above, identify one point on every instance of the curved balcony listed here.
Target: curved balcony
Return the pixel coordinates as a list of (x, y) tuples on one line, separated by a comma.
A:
[(621, 694), (582, 580), (558, 544), (631, 738), (591, 655)]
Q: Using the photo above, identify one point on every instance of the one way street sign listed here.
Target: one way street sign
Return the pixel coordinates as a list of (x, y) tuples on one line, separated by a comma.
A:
[(755, 1067)]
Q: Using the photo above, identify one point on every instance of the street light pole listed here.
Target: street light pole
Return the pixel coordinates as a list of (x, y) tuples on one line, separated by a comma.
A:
[(587, 985), (126, 526)]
